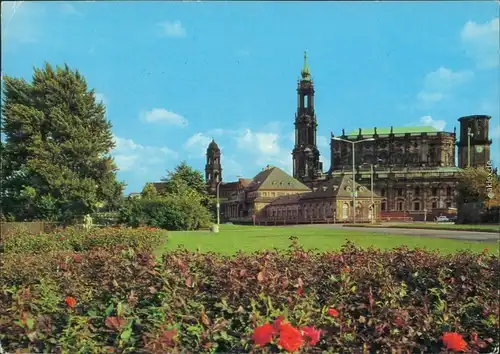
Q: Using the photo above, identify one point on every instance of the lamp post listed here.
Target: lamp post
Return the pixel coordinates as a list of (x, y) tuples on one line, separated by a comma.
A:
[(469, 135), (371, 188), (353, 143), (218, 203)]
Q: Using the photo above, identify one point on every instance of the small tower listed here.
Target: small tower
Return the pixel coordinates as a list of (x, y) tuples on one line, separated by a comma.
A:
[(306, 164), (213, 168), (474, 138)]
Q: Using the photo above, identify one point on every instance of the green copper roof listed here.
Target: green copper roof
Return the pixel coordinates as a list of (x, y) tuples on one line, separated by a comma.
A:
[(306, 72), (273, 178), (395, 130)]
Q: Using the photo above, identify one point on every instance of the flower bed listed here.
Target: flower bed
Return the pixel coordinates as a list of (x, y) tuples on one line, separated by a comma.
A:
[(352, 301)]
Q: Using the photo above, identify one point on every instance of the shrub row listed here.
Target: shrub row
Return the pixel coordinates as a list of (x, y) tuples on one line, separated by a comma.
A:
[(78, 239), (351, 301)]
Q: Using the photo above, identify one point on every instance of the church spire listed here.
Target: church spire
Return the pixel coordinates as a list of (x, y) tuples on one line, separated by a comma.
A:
[(306, 72)]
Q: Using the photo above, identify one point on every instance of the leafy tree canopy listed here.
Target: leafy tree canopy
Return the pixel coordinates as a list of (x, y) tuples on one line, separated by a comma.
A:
[(56, 163), (478, 185), (185, 175)]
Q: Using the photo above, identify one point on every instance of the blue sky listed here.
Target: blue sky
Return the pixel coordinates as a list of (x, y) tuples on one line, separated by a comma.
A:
[(174, 75)]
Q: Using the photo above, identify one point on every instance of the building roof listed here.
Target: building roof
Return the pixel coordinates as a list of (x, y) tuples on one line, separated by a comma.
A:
[(395, 130), (273, 178), (161, 187), (245, 181), (213, 145), (336, 187), (339, 187)]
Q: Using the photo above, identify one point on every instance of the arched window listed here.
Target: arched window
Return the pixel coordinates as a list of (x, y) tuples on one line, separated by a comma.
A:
[(345, 211)]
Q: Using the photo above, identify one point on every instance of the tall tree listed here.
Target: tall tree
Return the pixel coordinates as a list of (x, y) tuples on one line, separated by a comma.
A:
[(189, 176), (184, 176), (56, 155), (478, 185)]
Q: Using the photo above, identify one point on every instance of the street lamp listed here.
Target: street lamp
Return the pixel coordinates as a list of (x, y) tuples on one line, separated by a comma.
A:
[(353, 143), (371, 187), (218, 203)]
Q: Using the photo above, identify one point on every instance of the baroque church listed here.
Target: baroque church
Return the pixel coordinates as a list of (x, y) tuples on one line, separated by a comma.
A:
[(398, 171)]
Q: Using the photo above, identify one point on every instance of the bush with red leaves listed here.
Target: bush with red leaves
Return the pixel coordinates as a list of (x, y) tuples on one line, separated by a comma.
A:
[(349, 301)]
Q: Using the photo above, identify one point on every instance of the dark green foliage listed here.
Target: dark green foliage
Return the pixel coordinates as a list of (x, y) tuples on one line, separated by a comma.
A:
[(399, 300), (173, 212), (183, 205), (55, 159), (185, 174)]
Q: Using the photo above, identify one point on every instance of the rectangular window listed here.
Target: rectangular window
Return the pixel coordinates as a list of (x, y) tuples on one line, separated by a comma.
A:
[(383, 206), (448, 204), (434, 205), (400, 192), (417, 191), (382, 192), (306, 101), (416, 206), (400, 206), (434, 192)]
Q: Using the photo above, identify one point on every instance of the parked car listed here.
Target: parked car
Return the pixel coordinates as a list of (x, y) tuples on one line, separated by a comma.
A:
[(442, 219)]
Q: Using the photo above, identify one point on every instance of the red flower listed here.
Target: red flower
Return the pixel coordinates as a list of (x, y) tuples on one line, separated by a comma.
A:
[(61, 238), (263, 334), (346, 269), (300, 291), (70, 301), (332, 312), (454, 341), (290, 338), (311, 334)]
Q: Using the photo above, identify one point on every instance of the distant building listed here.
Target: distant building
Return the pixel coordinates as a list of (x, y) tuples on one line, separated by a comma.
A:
[(414, 169)]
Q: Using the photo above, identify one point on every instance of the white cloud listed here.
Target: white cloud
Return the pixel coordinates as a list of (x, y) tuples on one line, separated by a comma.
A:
[(264, 143), (172, 29), (100, 97), (264, 148), (162, 115), (440, 84), (481, 42), (429, 121), (129, 155), (197, 144)]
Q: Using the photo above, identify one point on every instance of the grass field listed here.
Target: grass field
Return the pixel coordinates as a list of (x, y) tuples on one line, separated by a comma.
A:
[(232, 238)]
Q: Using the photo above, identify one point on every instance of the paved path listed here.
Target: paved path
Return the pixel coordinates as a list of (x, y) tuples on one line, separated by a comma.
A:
[(457, 235)]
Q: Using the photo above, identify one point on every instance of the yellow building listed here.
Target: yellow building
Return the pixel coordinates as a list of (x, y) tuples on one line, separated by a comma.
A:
[(249, 203), (329, 202)]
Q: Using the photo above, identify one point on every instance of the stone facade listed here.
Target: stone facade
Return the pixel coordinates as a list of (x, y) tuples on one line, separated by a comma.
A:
[(332, 202), (412, 169)]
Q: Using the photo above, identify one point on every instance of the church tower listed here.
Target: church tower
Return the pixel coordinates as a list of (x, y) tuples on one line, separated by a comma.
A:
[(474, 139), (213, 168), (306, 164)]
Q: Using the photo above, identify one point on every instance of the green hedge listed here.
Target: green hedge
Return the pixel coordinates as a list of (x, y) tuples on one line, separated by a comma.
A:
[(125, 301)]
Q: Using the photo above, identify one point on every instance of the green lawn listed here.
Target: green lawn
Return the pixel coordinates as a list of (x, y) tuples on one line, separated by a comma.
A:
[(232, 238)]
